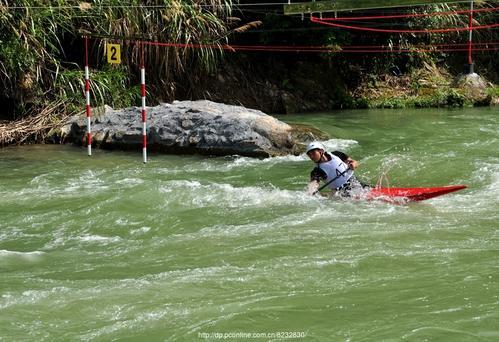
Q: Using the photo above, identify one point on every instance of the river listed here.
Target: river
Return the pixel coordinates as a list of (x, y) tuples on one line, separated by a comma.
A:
[(189, 248)]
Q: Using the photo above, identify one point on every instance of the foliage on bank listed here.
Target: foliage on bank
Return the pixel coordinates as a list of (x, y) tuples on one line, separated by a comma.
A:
[(427, 87), (396, 79), (41, 53), (42, 49)]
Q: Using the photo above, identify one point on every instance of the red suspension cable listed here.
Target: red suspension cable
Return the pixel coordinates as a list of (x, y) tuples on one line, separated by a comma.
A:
[(413, 15), (360, 28), (484, 46)]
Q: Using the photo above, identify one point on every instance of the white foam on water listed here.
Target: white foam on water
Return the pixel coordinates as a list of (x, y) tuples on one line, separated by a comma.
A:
[(227, 165), (191, 275), (482, 192), (122, 320), (493, 172), (229, 196), (140, 231), (45, 179), (483, 144), (307, 209), (99, 239), (32, 297), (88, 181), (126, 222), (130, 181), (240, 162), (27, 256), (252, 229), (339, 144), (332, 215), (179, 184), (56, 185), (236, 197)]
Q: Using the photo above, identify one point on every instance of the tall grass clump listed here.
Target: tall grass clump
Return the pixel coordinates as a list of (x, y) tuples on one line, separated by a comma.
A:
[(41, 49)]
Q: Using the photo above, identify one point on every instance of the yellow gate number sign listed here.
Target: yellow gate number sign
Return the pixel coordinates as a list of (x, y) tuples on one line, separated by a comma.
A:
[(113, 53)]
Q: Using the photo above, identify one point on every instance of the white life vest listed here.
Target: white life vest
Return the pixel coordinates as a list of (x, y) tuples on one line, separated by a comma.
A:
[(335, 168)]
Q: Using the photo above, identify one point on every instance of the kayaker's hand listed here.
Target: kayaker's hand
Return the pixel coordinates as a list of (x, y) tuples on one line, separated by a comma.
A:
[(312, 187), (353, 164)]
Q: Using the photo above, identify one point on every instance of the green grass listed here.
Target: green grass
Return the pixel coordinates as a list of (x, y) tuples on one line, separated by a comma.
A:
[(450, 97), (493, 91)]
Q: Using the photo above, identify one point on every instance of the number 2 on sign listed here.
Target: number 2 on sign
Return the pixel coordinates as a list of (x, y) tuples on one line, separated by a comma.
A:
[(113, 53)]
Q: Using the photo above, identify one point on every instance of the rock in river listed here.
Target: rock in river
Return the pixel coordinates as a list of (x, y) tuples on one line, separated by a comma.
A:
[(185, 127)]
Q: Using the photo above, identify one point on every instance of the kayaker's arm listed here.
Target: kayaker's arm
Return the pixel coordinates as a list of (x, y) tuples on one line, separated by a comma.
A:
[(316, 176), (353, 164)]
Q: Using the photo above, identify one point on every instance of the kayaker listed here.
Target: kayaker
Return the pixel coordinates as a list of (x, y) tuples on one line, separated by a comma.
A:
[(336, 169)]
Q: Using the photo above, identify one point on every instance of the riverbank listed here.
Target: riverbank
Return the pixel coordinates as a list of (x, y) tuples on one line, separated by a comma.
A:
[(428, 87), (291, 87)]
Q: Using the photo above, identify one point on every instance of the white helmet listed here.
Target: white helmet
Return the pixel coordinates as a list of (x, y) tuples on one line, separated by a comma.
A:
[(314, 145)]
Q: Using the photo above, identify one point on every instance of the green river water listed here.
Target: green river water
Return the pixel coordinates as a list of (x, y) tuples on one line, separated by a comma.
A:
[(192, 248)]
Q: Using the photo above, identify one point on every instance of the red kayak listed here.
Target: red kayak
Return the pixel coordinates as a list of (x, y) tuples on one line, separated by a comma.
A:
[(411, 194)]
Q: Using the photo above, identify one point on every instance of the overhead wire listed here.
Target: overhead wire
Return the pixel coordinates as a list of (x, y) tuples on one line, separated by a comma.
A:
[(414, 15), (330, 22), (336, 21), (83, 6), (458, 47), (379, 30)]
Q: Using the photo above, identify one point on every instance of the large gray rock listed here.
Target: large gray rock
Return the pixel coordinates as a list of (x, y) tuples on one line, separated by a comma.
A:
[(474, 88), (202, 127)]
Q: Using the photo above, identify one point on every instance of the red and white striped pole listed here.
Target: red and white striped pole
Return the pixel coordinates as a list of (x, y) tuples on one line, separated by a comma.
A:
[(470, 68), (87, 100), (144, 113)]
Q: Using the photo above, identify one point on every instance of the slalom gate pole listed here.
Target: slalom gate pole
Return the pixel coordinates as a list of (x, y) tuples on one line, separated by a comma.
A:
[(87, 100), (143, 111), (470, 42)]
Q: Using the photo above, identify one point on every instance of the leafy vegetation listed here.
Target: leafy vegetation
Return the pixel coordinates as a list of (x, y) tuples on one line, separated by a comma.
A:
[(41, 50), (41, 47), (494, 91)]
